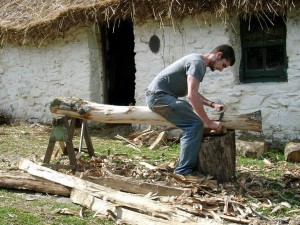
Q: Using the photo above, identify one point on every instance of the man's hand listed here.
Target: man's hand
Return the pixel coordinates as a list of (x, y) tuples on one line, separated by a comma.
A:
[(215, 125), (218, 107)]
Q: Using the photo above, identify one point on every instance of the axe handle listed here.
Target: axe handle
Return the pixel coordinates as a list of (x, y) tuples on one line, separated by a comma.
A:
[(208, 131)]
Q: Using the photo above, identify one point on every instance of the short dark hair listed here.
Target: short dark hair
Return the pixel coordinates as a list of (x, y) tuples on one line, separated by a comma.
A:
[(228, 53)]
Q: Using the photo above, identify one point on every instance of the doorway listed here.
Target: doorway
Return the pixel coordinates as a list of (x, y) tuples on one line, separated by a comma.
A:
[(119, 63)]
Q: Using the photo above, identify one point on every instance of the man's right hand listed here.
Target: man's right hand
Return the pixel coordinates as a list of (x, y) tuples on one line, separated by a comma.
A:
[(215, 125), (218, 107)]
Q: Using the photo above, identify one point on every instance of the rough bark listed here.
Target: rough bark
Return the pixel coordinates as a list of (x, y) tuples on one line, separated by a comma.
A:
[(82, 109), (20, 180), (217, 156)]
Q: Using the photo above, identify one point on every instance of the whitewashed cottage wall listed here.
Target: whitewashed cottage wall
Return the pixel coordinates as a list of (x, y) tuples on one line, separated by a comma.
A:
[(31, 77), (278, 101)]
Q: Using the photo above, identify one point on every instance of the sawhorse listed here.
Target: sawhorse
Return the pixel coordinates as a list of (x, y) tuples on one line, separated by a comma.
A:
[(63, 132)]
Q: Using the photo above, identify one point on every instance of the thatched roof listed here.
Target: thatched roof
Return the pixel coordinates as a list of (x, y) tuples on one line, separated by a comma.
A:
[(31, 21)]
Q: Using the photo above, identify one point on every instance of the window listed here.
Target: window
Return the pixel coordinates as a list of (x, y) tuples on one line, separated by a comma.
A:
[(263, 42)]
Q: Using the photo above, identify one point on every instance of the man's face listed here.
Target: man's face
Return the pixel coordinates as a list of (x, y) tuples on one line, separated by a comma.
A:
[(217, 63)]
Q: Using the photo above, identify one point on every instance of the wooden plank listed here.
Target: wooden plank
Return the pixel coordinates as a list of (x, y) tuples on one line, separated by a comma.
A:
[(138, 187), (126, 215), (82, 109), (59, 166)]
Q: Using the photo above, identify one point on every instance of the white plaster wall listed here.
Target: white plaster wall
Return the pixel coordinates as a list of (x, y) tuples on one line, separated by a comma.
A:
[(31, 77), (187, 37), (279, 102), (96, 61)]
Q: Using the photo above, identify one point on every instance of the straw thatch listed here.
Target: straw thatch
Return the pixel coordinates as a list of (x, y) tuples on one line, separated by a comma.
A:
[(31, 21)]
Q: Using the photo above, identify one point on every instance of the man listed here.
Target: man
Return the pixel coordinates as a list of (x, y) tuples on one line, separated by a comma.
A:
[(182, 78)]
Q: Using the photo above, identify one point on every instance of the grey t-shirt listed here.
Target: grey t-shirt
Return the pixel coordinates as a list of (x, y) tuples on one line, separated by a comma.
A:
[(173, 79)]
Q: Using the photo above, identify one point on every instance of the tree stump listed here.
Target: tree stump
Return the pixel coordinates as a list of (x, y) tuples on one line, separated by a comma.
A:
[(217, 156)]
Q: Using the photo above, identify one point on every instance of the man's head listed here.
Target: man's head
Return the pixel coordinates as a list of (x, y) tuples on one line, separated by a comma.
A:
[(222, 57)]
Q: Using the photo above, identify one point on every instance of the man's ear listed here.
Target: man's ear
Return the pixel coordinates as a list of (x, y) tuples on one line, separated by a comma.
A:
[(219, 55)]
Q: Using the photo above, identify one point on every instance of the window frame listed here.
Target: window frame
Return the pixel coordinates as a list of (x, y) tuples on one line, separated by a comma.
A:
[(264, 75)]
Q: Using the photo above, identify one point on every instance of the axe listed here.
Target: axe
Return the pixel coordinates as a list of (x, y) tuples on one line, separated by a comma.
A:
[(221, 115)]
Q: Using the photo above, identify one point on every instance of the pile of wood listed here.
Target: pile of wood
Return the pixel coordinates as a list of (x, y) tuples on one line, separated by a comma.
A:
[(119, 205), (155, 137), (173, 206), (152, 137), (130, 191)]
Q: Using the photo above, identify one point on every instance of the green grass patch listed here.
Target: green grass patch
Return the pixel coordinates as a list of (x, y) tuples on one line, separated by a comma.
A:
[(24, 207)]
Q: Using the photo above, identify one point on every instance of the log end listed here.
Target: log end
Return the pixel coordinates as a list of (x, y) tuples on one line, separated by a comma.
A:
[(256, 116), (69, 103), (292, 152), (24, 164)]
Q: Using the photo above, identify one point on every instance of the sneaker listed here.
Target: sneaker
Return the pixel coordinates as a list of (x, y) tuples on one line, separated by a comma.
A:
[(195, 176), (188, 178)]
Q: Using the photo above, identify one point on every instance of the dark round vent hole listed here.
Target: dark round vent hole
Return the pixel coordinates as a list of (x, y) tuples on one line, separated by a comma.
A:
[(154, 44)]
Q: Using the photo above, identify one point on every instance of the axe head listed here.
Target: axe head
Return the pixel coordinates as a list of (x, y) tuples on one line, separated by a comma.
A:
[(221, 116), (221, 113)]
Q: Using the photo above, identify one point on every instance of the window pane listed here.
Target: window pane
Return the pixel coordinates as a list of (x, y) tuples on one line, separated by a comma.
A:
[(274, 57), (275, 31), (253, 31), (263, 39), (254, 58)]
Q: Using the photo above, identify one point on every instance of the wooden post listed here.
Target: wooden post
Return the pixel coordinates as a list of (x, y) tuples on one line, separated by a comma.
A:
[(217, 156)]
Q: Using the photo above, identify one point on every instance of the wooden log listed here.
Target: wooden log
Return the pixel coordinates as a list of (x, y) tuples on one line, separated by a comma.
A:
[(217, 156), (20, 180), (139, 203), (82, 109), (251, 149), (292, 152)]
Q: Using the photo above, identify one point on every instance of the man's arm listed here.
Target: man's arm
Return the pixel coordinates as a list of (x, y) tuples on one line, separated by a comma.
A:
[(198, 101)]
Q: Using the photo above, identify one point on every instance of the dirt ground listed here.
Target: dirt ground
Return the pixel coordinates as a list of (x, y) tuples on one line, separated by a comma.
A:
[(31, 140)]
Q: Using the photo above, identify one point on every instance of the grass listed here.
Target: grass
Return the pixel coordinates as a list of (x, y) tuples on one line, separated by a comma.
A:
[(31, 141), (24, 207)]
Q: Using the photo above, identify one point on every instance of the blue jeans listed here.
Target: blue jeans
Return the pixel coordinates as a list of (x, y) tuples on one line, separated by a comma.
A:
[(181, 114)]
